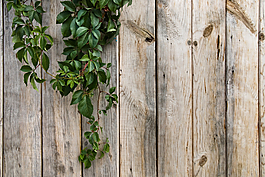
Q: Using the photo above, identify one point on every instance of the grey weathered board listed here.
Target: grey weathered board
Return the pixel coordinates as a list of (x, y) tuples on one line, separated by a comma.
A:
[(1, 85), (174, 83), (137, 90), (61, 123), (22, 116), (209, 88), (242, 88), (190, 75)]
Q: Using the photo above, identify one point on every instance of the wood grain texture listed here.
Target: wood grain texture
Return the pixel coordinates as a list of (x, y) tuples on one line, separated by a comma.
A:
[(209, 88), (262, 87), (242, 89), (22, 114), (137, 90), (174, 79), (61, 122), (1, 85), (108, 166)]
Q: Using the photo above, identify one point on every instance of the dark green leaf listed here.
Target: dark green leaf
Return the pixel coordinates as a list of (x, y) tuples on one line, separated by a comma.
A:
[(102, 76), (82, 40), (32, 81), (65, 29), (77, 96), (68, 5), (73, 27), (81, 13), (87, 163), (45, 62), (103, 3), (112, 89), (93, 41), (81, 30), (85, 107), (26, 77), (18, 45), (43, 42), (26, 68), (63, 16), (94, 20)]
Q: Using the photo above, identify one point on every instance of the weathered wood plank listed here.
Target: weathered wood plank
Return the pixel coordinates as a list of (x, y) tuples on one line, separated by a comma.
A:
[(1, 86), (22, 114), (242, 88), (109, 164), (61, 122), (262, 87), (174, 79), (209, 88), (137, 90)]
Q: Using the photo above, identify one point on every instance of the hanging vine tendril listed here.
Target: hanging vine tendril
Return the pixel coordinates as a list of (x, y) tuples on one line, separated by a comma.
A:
[(87, 25)]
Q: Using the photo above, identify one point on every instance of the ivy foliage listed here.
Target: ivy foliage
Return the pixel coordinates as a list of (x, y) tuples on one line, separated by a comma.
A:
[(86, 26)]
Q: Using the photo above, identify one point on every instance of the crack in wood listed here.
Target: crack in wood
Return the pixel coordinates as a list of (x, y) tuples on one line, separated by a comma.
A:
[(235, 9), (149, 37)]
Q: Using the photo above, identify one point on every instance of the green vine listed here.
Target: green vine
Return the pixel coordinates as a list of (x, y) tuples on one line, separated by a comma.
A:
[(87, 25)]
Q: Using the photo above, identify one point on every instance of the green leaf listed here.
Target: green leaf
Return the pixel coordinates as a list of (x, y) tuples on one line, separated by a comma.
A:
[(81, 30), (82, 40), (103, 3), (96, 33), (69, 5), (40, 9), (81, 13), (93, 2), (118, 2), (94, 20), (18, 45), (45, 62), (37, 3), (96, 137), (43, 42), (109, 65), (111, 26), (38, 17), (9, 6), (90, 78), (20, 54), (26, 68), (87, 163), (87, 134), (31, 51), (49, 38), (33, 82), (93, 41), (65, 29), (26, 78), (112, 89), (63, 16), (102, 76), (77, 96), (85, 107), (101, 155), (106, 148), (73, 27), (90, 66)]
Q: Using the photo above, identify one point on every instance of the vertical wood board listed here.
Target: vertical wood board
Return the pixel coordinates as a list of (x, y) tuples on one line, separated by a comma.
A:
[(109, 164), (242, 88), (174, 79), (22, 112), (61, 121), (262, 86), (137, 90), (1, 85), (209, 88)]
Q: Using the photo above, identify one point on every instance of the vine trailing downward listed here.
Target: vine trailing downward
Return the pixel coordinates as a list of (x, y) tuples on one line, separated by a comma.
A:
[(87, 25)]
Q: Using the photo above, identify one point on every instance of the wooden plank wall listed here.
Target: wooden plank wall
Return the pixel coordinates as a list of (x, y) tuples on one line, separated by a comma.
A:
[(190, 76)]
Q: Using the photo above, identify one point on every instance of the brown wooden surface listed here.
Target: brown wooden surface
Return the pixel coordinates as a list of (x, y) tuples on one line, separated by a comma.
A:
[(174, 79), (242, 88), (137, 90), (209, 88), (61, 122), (109, 164), (1, 86), (208, 63), (22, 116)]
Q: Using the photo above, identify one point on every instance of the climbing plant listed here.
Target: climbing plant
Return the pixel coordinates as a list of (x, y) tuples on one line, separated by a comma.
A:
[(86, 26)]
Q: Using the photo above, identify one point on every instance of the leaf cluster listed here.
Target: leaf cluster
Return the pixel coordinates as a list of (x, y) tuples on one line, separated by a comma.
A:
[(86, 26)]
